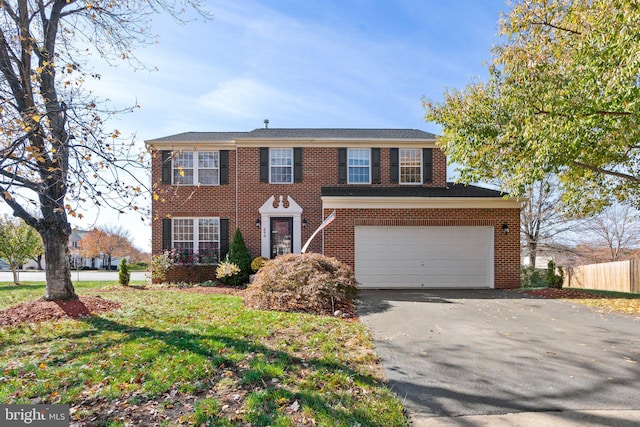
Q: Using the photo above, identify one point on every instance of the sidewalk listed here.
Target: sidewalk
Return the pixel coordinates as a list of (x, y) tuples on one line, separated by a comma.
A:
[(76, 276)]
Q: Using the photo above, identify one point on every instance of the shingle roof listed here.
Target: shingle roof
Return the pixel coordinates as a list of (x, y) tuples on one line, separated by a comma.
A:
[(281, 133), (334, 133), (200, 137), (451, 190)]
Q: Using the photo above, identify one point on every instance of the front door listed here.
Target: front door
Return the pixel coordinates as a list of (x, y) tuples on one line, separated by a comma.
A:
[(281, 236)]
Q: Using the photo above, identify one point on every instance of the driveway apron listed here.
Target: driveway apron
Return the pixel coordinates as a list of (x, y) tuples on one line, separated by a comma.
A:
[(461, 353)]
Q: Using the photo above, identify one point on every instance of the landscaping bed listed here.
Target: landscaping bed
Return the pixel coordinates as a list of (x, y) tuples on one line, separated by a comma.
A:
[(601, 300), (560, 293)]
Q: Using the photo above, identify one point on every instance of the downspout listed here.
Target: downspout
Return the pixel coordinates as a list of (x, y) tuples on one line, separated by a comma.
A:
[(322, 219), (237, 210)]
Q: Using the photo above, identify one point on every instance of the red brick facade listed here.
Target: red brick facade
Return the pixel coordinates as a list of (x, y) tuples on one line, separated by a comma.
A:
[(240, 199), (339, 238)]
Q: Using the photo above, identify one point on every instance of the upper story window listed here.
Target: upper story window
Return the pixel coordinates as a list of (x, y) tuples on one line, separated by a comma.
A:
[(196, 168), (196, 239), (410, 162), (281, 165), (359, 165)]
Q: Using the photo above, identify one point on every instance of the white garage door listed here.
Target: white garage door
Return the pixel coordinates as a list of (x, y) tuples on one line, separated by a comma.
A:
[(424, 257)]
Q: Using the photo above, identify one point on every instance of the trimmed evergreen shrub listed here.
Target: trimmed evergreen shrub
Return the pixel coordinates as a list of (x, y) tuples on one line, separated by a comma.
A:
[(123, 274), (310, 283), (239, 255)]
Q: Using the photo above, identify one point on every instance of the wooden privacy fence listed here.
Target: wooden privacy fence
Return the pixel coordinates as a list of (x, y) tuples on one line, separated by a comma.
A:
[(619, 276)]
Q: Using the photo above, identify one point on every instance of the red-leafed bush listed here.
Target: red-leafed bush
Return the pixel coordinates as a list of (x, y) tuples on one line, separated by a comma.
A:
[(311, 283)]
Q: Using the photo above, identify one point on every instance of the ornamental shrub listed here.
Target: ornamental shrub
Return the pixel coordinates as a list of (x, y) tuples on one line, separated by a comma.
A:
[(532, 278), (257, 263), (160, 265), (123, 274), (310, 283), (239, 255), (228, 272), (554, 280)]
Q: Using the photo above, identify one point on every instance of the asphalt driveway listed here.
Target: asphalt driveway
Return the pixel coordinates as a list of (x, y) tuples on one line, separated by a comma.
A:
[(477, 353)]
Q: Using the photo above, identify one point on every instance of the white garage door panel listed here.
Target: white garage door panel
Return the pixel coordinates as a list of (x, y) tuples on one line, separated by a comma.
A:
[(424, 257)]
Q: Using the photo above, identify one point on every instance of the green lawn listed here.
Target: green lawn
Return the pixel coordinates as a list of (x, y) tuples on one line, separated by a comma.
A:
[(179, 358)]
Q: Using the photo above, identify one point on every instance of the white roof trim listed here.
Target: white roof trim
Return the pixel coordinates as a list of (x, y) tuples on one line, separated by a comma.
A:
[(192, 145), (351, 202), (334, 142), (288, 142)]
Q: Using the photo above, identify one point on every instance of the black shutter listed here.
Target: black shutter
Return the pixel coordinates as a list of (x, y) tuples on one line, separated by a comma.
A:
[(342, 165), (264, 164), (375, 166), (166, 234), (224, 167), (394, 170), (427, 164), (166, 166), (297, 164), (224, 238)]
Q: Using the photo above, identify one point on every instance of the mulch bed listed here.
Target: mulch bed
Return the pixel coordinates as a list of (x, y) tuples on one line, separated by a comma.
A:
[(41, 310), (562, 293)]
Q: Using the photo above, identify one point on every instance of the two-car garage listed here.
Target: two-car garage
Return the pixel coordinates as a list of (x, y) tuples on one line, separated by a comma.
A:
[(424, 256)]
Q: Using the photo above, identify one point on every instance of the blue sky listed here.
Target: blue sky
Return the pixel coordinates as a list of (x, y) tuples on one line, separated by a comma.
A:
[(323, 63)]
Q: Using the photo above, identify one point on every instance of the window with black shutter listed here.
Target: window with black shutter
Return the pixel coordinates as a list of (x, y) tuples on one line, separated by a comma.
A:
[(394, 170), (342, 165), (224, 167), (297, 164), (375, 166), (427, 167), (165, 155), (264, 164)]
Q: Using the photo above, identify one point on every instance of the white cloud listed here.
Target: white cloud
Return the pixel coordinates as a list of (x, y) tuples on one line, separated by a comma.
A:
[(244, 98)]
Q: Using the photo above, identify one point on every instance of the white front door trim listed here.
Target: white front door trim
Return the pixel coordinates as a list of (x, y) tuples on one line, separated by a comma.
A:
[(267, 210)]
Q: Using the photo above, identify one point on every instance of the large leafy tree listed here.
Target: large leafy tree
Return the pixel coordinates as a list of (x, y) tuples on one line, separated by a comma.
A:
[(563, 96), (19, 243), (55, 151)]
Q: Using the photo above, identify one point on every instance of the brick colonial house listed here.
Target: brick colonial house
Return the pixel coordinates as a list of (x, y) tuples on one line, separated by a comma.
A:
[(398, 222)]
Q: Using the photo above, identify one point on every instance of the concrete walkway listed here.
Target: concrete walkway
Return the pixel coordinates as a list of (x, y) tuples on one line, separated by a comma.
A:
[(476, 358)]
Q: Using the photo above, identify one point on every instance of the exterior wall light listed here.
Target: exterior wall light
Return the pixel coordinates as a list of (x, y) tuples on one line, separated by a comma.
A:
[(258, 222), (505, 228), (304, 223)]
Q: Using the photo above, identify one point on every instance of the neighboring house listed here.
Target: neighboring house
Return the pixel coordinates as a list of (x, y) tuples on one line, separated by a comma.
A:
[(542, 261), (79, 262), (398, 222)]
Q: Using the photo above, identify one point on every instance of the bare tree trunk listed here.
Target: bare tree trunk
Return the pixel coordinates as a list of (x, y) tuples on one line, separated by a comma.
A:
[(38, 260), (14, 270), (532, 248), (58, 266)]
